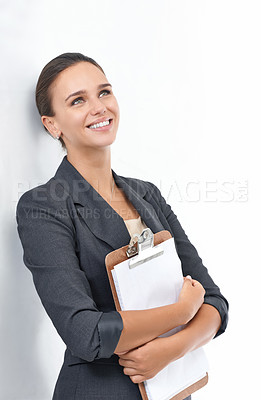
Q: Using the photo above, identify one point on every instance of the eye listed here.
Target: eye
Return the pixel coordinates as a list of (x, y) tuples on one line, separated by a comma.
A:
[(75, 100), (105, 91)]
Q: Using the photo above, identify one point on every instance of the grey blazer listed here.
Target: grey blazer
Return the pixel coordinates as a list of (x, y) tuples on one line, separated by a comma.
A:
[(66, 229)]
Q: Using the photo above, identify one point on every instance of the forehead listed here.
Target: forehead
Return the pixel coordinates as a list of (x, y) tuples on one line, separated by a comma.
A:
[(82, 75)]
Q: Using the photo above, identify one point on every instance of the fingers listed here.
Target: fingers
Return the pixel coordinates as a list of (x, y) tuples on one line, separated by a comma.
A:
[(127, 363), (187, 279), (197, 284), (123, 352), (130, 371), (126, 360), (129, 353), (137, 378), (193, 281)]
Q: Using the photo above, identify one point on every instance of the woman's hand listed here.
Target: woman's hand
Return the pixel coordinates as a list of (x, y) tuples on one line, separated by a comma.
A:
[(191, 297), (145, 361)]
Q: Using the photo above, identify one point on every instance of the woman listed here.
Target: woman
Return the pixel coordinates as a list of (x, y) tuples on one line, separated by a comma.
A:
[(68, 225)]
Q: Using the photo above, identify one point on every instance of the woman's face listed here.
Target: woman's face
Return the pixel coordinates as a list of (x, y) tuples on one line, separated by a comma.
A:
[(75, 114)]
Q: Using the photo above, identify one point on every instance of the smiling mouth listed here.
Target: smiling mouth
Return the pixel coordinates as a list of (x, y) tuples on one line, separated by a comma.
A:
[(100, 125)]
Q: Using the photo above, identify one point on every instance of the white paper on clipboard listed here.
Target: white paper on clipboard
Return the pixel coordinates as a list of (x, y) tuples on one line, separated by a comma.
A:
[(156, 283)]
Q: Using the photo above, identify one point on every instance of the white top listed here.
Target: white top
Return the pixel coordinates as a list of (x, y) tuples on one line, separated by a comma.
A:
[(135, 226)]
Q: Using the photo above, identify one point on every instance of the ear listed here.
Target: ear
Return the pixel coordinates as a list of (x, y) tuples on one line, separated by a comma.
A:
[(50, 124)]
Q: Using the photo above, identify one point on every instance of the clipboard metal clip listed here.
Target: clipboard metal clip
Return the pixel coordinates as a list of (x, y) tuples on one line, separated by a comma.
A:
[(143, 248)]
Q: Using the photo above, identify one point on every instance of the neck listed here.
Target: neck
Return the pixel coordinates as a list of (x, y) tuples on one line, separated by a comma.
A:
[(95, 167)]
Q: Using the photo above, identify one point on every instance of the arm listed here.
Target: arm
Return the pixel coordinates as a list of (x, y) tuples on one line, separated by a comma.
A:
[(48, 238), (199, 331), (146, 361), (211, 320), (190, 260), (142, 326)]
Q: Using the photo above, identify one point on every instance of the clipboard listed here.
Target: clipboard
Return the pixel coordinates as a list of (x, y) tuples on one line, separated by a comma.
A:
[(134, 267)]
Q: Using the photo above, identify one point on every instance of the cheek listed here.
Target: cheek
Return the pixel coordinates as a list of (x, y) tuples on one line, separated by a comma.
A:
[(77, 117)]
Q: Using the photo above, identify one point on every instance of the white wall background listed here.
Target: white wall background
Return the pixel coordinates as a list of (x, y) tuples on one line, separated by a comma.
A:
[(187, 78)]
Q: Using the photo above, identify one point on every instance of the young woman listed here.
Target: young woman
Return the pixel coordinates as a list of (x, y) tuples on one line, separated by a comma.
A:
[(68, 225)]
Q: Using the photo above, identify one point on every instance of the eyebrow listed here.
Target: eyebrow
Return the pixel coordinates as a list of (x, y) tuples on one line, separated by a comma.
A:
[(84, 91)]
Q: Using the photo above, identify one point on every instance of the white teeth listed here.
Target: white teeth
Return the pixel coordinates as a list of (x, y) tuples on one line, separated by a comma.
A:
[(99, 125)]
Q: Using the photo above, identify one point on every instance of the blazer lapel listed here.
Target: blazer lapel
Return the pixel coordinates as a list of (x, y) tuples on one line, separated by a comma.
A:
[(104, 222)]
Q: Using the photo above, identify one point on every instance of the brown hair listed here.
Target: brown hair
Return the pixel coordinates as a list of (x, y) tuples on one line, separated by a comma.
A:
[(47, 77)]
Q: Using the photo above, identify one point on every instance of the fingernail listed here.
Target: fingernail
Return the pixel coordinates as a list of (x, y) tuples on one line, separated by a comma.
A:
[(188, 276)]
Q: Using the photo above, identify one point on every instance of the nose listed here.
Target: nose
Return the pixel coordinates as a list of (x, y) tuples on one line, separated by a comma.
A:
[(97, 107)]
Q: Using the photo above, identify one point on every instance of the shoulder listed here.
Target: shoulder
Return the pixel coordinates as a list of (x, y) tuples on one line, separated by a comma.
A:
[(49, 197)]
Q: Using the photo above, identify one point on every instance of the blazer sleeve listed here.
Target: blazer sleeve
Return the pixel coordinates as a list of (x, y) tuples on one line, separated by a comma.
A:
[(191, 262), (49, 244)]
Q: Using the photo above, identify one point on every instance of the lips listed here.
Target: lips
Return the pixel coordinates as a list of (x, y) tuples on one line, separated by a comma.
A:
[(100, 120), (104, 128)]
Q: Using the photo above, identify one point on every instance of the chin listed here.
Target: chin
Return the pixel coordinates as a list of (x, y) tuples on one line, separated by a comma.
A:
[(104, 141)]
